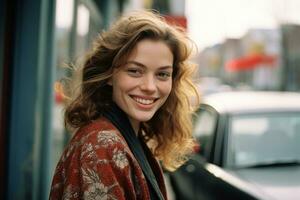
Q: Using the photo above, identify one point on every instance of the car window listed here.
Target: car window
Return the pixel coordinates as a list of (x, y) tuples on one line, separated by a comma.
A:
[(263, 138), (204, 128)]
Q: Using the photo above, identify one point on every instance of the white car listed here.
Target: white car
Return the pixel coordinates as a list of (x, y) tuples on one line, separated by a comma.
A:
[(249, 148)]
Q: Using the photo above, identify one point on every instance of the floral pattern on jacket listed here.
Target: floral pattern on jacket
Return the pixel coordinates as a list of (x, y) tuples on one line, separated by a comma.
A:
[(97, 164)]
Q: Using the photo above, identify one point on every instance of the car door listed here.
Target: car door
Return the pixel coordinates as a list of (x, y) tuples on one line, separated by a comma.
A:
[(198, 178), (192, 181)]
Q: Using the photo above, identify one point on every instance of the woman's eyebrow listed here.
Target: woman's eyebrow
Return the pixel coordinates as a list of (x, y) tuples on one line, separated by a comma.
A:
[(144, 66), (166, 67), (136, 63)]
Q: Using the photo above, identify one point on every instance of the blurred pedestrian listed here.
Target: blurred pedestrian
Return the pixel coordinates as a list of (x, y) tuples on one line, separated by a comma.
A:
[(132, 111)]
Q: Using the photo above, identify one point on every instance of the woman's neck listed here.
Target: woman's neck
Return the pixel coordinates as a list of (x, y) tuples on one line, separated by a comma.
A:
[(135, 125)]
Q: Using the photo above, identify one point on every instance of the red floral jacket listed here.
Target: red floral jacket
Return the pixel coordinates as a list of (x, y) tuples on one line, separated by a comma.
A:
[(98, 164)]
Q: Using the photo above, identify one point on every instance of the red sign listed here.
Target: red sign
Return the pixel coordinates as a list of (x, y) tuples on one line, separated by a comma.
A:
[(249, 62)]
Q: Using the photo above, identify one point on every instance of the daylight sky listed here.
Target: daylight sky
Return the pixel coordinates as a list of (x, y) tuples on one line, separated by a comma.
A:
[(211, 21)]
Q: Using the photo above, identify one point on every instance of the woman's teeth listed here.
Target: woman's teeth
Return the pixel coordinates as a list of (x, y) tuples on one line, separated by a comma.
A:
[(144, 101)]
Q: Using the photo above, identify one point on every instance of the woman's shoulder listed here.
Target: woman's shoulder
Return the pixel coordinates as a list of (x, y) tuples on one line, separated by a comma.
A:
[(96, 156), (99, 132), (93, 128), (100, 135), (100, 124), (99, 139)]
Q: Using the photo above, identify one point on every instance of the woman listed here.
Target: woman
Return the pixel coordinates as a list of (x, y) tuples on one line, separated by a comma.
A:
[(132, 110)]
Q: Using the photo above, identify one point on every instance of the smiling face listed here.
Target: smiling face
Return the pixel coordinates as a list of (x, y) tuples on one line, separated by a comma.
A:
[(143, 84)]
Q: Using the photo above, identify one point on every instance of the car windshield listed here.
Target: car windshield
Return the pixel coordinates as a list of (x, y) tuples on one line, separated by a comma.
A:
[(257, 140)]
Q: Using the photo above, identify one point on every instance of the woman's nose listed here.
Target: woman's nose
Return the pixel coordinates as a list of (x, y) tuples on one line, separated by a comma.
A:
[(148, 83)]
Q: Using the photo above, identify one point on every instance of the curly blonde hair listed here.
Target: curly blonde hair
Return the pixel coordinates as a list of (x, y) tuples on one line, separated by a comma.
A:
[(170, 130)]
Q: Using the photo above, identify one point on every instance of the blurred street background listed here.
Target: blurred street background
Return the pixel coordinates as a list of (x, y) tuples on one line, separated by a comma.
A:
[(242, 45)]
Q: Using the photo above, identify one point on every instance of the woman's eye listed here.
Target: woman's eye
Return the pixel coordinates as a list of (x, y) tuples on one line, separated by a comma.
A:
[(134, 72), (164, 75)]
